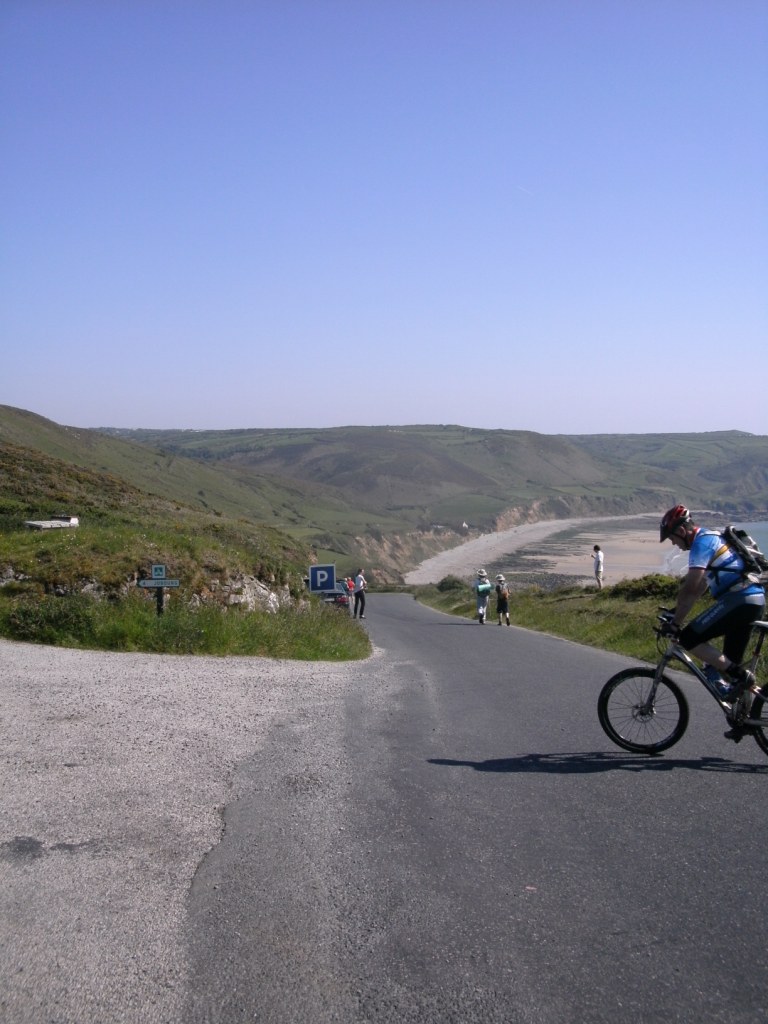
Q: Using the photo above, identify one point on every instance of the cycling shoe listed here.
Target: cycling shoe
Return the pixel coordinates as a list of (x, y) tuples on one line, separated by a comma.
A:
[(741, 679)]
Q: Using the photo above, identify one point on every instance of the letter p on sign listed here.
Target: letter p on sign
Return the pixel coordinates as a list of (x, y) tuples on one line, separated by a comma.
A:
[(322, 578)]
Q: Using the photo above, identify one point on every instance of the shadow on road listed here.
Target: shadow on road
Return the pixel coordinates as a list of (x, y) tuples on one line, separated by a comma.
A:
[(585, 763)]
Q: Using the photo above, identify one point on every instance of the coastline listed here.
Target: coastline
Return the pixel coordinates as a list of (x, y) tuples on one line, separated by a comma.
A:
[(561, 547)]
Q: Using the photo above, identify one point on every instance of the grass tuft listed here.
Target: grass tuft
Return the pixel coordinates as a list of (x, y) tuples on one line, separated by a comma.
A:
[(314, 632)]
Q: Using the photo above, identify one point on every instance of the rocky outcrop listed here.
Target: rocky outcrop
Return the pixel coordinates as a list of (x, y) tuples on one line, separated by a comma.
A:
[(247, 592)]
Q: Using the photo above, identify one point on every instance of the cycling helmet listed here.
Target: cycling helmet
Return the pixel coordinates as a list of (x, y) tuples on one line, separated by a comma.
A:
[(676, 516)]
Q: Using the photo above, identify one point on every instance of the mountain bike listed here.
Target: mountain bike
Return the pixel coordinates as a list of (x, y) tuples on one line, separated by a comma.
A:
[(645, 711)]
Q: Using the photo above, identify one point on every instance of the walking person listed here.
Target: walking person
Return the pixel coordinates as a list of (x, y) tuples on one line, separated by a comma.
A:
[(360, 588), (598, 560), (502, 598), (482, 588)]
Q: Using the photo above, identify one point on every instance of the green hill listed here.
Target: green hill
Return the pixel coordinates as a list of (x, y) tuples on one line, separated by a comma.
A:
[(123, 531), (447, 474), (726, 470), (390, 495)]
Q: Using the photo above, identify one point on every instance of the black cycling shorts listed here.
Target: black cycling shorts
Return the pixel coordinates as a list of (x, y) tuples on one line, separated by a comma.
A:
[(731, 618)]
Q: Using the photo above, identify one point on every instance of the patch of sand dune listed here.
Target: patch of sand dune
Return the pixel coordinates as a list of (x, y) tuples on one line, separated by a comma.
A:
[(630, 545)]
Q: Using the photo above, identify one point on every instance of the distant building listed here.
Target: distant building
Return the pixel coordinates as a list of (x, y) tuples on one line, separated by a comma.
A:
[(54, 523)]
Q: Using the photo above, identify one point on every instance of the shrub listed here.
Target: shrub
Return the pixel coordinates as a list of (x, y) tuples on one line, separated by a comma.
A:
[(51, 620), (660, 588), (448, 583)]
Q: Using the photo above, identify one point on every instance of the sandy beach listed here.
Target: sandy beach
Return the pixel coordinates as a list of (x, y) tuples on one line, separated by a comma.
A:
[(563, 547)]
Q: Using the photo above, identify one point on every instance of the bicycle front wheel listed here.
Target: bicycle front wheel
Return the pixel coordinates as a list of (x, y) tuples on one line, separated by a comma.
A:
[(631, 720)]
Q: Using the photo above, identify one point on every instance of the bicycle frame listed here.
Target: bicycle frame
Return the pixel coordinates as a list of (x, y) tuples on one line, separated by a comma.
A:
[(676, 653)]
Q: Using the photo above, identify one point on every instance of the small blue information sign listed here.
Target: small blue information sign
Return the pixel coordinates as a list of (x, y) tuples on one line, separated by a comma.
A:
[(322, 578), (158, 582)]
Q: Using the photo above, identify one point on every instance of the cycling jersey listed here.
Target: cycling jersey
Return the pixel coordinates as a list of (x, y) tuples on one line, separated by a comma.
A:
[(725, 569)]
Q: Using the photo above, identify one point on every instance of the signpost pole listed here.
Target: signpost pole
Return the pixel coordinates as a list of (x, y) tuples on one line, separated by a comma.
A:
[(158, 582)]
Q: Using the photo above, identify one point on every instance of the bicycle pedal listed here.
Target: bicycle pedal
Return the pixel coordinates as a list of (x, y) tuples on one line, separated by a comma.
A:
[(736, 734)]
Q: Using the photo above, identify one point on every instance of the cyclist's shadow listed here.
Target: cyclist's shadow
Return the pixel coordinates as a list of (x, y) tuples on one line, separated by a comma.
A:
[(588, 762)]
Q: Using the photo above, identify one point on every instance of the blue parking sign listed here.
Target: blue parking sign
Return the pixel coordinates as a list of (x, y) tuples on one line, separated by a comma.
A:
[(322, 578)]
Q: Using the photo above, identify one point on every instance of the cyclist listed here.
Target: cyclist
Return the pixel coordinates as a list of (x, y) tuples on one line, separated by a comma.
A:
[(738, 602)]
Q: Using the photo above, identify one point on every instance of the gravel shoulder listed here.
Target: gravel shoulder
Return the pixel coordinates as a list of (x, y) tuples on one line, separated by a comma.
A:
[(114, 775)]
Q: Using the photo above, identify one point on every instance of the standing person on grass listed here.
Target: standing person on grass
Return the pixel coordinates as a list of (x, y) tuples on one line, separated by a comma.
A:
[(360, 587), (482, 589), (598, 559), (502, 598), (738, 603)]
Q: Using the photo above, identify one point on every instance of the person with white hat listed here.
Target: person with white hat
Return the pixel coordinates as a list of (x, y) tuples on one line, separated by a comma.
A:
[(482, 588), (502, 598)]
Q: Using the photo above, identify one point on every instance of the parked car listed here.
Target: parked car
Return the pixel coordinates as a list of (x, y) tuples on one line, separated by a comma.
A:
[(339, 598)]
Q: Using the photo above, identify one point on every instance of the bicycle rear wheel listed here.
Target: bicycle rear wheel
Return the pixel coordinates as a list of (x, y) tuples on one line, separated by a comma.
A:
[(631, 721), (759, 712)]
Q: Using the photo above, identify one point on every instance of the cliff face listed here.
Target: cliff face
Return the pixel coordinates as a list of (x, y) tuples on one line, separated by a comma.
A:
[(566, 507), (388, 558)]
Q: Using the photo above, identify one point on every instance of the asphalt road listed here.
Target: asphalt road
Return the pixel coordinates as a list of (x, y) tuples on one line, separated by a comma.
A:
[(461, 843), (441, 834)]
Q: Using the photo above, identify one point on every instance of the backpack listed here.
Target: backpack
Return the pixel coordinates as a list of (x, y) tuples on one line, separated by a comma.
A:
[(502, 590), (755, 562)]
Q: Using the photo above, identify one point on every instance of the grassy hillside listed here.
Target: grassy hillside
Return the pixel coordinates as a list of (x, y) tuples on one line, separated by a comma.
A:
[(421, 475), (417, 476), (77, 587), (312, 512), (725, 470), (124, 530), (392, 495), (397, 469), (157, 471)]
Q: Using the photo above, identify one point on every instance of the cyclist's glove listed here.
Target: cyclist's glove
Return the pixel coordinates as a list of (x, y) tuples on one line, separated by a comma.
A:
[(669, 629)]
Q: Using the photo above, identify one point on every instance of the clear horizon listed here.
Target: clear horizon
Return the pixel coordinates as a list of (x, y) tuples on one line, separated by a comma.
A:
[(533, 216)]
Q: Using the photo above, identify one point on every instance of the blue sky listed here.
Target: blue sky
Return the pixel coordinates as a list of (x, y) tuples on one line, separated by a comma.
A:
[(547, 215)]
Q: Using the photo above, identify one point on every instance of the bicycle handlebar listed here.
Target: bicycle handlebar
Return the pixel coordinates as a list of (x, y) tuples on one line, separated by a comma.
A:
[(662, 633)]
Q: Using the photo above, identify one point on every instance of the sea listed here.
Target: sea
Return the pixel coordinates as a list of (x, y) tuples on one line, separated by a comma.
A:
[(758, 532)]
